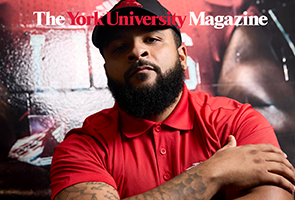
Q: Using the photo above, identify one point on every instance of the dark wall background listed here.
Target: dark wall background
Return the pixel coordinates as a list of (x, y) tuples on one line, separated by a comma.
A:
[(52, 78)]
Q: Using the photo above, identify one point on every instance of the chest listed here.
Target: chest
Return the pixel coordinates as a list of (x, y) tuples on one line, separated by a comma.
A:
[(155, 157)]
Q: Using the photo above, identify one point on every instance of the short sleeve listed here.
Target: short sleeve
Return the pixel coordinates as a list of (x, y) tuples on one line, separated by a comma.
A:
[(221, 117), (79, 158), (252, 127)]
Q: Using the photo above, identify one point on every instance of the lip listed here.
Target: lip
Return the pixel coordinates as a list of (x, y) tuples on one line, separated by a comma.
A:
[(140, 68)]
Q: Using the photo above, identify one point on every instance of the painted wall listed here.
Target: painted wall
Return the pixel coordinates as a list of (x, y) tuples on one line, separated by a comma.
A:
[(52, 77)]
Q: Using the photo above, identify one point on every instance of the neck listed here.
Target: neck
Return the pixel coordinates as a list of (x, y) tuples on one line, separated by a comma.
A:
[(164, 115)]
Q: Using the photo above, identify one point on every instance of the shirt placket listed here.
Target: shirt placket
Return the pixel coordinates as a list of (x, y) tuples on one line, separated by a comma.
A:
[(162, 152)]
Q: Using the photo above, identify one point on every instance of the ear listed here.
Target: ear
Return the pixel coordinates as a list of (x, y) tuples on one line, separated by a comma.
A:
[(182, 52)]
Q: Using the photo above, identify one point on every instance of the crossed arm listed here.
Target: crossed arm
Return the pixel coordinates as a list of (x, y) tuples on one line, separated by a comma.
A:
[(251, 171)]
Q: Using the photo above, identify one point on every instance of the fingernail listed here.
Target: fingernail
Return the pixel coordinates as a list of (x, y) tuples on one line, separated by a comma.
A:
[(285, 155)]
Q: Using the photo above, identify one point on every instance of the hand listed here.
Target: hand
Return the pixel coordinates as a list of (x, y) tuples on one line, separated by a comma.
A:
[(237, 168)]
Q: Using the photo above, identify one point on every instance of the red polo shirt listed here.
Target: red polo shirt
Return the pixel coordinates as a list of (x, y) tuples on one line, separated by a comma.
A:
[(137, 155)]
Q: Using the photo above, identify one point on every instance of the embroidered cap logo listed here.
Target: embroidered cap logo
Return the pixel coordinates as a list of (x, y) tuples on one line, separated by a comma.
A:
[(129, 3)]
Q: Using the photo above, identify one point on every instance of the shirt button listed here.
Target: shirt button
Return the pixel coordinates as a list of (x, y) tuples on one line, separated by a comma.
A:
[(163, 151), (166, 176), (158, 128)]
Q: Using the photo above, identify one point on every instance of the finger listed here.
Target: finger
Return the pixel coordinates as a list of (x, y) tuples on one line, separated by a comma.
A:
[(231, 142), (277, 163), (266, 147), (282, 169), (281, 181), (285, 155), (279, 159)]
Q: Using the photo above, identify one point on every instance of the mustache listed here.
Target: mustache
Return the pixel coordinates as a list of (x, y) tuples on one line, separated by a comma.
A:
[(139, 63)]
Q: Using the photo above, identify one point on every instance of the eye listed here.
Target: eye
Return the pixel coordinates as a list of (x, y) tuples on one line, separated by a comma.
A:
[(152, 40), (118, 48)]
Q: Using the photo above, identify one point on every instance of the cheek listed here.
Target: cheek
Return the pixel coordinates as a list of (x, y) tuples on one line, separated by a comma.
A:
[(115, 71), (166, 58)]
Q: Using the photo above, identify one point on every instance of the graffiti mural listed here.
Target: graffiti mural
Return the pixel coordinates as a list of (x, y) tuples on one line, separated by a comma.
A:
[(52, 77)]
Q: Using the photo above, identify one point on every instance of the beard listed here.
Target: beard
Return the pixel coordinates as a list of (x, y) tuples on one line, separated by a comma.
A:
[(148, 101)]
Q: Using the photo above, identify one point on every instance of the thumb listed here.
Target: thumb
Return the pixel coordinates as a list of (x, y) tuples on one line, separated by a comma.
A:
[(231, 142)]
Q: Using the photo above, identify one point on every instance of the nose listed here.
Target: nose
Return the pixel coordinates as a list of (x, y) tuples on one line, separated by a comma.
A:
[(139, 50)]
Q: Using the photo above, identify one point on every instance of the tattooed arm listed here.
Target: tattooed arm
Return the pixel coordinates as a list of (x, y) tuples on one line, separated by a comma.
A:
[(188, 185), (88, 190), (234, 168)]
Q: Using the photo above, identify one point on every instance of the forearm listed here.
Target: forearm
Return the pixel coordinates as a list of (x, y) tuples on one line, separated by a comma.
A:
[(192, 184), (262, 164), (264, 192)]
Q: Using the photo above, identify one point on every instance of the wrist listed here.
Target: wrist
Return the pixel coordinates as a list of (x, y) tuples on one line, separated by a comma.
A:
[(206, 181)]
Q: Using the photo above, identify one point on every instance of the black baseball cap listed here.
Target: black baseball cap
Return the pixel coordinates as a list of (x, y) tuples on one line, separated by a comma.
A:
[(124, 7)]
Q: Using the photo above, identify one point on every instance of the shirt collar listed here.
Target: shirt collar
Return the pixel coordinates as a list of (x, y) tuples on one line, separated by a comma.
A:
[(181, 118)]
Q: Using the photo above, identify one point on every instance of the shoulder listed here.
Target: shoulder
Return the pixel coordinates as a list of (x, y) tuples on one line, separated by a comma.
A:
[(103, 119), (222, 116), (224, 108), (205, 100), (88, 150), (222, 111), (102, 123), (99, 131), (89, 145)]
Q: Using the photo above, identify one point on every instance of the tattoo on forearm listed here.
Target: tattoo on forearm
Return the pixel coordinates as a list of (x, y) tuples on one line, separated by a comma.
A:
[(76, 192), (190, 186), (111, 195)]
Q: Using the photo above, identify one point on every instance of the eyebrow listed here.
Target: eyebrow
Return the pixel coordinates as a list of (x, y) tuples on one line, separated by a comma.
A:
[(109, 40), (115, 37), (112, 38)]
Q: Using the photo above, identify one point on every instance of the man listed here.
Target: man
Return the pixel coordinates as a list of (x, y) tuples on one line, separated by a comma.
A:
[(161, 141)]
